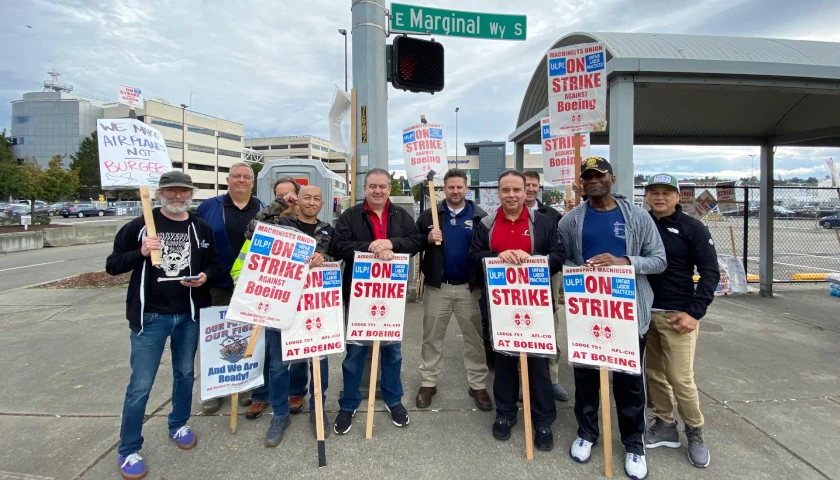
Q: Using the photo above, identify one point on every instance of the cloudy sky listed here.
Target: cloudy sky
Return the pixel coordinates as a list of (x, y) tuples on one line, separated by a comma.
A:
[(273, 65)]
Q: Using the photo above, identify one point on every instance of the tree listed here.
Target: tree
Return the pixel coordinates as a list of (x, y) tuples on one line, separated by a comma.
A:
[(9, 170), (58, 183), (553, 196), (257, 168), (31, 175), (86, 162), (640, 179)]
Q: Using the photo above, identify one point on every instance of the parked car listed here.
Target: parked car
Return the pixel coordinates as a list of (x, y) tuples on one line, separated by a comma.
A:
[(6, 210), (831, 221), (55, 207), (782, 212), (26, 210), (81, 210)]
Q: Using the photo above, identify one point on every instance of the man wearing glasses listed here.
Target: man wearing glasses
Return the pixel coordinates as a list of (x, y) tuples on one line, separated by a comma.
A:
[(229, 216)]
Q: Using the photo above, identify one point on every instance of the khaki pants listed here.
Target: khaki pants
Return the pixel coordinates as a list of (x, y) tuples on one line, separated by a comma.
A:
[(440, 304), (670, 371)]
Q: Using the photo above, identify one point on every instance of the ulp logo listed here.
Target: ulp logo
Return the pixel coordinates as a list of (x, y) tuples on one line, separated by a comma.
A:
[(556, 66), (546, 132), (408, 137)]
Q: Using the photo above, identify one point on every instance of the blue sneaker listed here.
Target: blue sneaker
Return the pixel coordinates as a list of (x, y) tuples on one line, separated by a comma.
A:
[(184, 438), (131, 466)]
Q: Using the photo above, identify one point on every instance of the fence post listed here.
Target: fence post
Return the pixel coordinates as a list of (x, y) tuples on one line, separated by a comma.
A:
[(746, 227)]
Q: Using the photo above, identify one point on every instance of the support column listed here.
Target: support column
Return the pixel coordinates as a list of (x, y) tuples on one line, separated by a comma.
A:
[(621, 129), (370, 82), (519, 156), (765, 220)]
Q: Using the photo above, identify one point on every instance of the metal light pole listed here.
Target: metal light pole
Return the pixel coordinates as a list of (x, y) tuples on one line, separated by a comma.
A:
[(344, 32), (216, 181), (456, 136), (752, 168), (184, 137)]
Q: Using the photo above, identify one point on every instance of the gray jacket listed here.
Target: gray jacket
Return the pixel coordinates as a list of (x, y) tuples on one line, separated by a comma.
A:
[(644, 249)]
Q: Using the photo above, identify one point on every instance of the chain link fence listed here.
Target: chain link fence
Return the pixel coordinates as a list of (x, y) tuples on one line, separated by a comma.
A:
[(806, 225)]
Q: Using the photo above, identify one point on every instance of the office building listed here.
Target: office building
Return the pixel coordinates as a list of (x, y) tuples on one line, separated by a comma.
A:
[(486, 160), (300, 146)]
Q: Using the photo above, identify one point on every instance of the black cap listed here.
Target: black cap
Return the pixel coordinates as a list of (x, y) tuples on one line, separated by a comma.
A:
[(599, 164), (175, 178)]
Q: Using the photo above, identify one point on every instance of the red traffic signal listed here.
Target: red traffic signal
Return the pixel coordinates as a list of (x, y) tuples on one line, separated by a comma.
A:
[(417, 65)]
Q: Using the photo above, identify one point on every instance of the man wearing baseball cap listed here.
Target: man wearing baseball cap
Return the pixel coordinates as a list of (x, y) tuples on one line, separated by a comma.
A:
[(677, 308), (607, 230)]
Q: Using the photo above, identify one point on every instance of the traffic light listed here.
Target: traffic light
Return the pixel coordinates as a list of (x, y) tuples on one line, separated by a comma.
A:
[(417, 65)]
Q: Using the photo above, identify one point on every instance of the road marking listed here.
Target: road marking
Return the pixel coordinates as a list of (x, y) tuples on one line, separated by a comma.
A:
[(35, 265)]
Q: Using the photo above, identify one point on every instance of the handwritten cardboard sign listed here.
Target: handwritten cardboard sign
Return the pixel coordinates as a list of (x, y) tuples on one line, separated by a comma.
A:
[(131, 153)]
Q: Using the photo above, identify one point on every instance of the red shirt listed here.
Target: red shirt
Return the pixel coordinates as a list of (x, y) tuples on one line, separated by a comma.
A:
[(511, 235), (380, 226)]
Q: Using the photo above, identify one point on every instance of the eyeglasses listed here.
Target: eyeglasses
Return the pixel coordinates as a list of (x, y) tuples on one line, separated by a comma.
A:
[(237, 176)]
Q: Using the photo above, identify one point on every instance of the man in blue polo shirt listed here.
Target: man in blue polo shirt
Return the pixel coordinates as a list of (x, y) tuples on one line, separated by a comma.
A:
[(446, 269)]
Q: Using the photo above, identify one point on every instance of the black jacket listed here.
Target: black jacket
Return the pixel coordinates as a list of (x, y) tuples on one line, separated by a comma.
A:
[(431, 261), (354, 233), (126, 257), (688, 243), (550, 212)]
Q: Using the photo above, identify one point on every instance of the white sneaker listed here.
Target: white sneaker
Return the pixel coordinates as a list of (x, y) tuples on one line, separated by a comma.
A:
[(635, 466), (581, 450)]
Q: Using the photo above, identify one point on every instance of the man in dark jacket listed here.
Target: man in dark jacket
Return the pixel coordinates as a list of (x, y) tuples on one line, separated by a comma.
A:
[(446, 269), (229, 216), (676, 311), (382, 228), (163, 302), (513, 233)]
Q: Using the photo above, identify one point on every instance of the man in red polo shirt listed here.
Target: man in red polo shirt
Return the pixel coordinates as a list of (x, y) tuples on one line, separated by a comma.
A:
[(513, 233), (382, 228)]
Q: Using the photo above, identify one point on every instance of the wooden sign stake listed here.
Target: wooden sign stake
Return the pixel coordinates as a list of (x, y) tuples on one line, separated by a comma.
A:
[(526, 405), (252, 342), (151, 231), (732, 240), (319, 412), (577, 167), (374, 370), (433, 201), (234, 412), (607, 423)]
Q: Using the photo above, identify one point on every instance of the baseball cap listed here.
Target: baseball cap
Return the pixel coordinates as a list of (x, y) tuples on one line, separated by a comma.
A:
[(663, 179), (175, 178), (599, 164)]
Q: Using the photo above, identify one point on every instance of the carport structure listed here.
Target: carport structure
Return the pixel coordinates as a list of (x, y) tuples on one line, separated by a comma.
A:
[(668, 89)]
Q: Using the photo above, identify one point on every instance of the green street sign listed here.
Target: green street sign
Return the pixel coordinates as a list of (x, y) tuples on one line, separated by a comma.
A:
[(455, 23)]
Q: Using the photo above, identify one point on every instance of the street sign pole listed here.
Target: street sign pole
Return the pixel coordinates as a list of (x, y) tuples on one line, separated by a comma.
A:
[(370, 81)]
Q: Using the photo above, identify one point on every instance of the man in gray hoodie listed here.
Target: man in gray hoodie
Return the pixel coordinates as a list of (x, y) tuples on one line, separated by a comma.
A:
[(605, 230)]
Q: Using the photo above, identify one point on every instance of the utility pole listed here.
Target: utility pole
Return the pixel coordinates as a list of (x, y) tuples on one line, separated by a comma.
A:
[(370, 81)]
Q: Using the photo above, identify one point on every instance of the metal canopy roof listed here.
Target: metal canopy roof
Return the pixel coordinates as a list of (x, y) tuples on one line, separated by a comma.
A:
[(707, 90)]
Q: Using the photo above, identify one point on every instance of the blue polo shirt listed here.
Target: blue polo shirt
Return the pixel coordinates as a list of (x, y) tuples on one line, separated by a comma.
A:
[(456, 243), (604, 232)]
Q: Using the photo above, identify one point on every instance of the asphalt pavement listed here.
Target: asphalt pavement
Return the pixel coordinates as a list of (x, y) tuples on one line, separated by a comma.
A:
[(21, 269)]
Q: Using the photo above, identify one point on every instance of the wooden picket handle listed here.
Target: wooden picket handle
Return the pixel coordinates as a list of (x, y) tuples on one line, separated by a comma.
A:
[(252, 342), (234, 413), (607, 423), (577, 166), (374, 370), (319, 412), (151, 231), (433, 201), (732, 240), (526, 406)]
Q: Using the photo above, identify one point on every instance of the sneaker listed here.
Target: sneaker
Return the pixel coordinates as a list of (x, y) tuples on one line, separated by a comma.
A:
[(274, 435), (581, 450), (184, 438), (256, 410), (698, 452), (343, 421), (635, 466), (131, 466), (560, 393), (399, 415), (295, 404), (501, 428), (211, 406), (544, 439), (661, 434), (312, 420)]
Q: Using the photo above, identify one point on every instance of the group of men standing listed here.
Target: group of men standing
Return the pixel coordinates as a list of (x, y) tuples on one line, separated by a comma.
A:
[(664, 246)]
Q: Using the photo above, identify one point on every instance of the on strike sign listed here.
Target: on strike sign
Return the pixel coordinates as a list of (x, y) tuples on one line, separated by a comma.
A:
[(318, 328), (521, 313), (224, 368), (577, 88), (272, 277), (131, 96), (559, 155), (377, 298), (601, 320), (424, 149)]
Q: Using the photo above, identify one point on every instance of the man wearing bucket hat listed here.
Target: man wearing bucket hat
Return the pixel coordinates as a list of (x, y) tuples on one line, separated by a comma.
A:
[(677, 308), (163, 302), (606, 230)]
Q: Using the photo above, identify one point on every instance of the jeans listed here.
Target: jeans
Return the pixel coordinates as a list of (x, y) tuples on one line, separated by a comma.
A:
[(280, 374), (146, 351), (298, 376), (353, 367)]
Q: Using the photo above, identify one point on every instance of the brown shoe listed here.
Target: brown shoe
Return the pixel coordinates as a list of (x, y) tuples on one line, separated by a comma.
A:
[(482, 399), (295, 404), (424, 396), (256, 410)]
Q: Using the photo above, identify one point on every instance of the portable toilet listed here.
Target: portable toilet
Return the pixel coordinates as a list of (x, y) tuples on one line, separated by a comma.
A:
[(306, 172)]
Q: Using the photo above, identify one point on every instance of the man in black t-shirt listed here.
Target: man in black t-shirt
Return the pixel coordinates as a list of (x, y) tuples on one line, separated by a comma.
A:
[(163, 303)]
